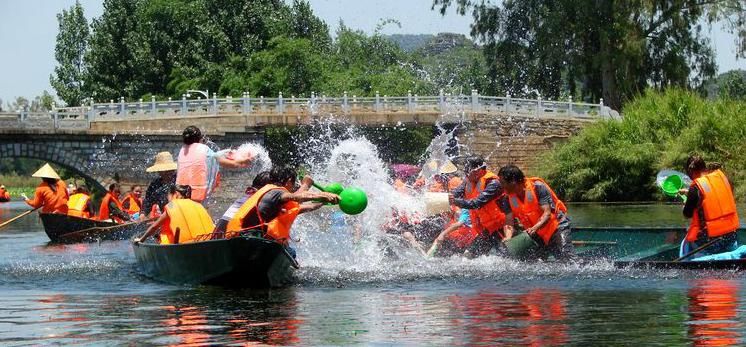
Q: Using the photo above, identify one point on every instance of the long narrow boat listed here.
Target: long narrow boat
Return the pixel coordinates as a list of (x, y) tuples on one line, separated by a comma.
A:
[(69, 229), (646, 247), (244, 261)]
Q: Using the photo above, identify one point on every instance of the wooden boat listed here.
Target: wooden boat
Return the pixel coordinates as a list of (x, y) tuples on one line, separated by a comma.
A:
[(731, 264), (69, 229), (244, 261)]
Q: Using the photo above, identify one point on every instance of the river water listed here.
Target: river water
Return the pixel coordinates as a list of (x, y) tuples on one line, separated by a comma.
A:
[(93, 294)]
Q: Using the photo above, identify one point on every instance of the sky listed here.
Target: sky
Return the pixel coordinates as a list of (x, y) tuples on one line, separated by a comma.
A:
[(28, 29)]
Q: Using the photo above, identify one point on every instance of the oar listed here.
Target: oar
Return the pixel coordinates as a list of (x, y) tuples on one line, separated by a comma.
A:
[(84, 231), (17, 217), (591, 243), (697, 250)]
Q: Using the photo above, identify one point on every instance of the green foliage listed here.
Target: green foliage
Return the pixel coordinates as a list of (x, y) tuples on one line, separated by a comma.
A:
[(597, 49), (733, 85), (71, 47), (289, 66), (614, 160)]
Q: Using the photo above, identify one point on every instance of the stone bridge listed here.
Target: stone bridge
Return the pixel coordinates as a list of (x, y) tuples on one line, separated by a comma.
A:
[(117, 140)]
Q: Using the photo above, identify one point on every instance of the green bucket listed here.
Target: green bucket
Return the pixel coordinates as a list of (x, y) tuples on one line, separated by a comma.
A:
[(353, 201), (671, 185), (520, 245)]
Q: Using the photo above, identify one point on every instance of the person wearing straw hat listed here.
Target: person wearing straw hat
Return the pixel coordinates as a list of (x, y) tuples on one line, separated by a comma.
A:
[(156, 196), (51, 195), (446, 180), (4, 195)]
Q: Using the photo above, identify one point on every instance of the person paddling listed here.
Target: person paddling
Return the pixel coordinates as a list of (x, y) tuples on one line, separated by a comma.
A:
[(542, 214), (199, 166), (80, 204), (271, 211), (711, 206), (157, 194), (182, 221), (111, 208), (51, 195), (4, 195)]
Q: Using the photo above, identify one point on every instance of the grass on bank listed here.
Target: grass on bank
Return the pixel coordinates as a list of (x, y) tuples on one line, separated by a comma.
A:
[(617, 160)]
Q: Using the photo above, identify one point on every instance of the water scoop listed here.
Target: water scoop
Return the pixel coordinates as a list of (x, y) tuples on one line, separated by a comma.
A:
[(352, 200), (436, 203), (520, 245), (671, 186)]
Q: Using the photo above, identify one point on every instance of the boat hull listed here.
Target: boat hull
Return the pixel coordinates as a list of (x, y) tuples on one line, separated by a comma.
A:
[(731, 264), (236, 262), (69, 229)]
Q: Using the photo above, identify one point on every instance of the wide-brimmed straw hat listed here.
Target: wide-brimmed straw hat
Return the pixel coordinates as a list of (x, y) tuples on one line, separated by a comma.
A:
[(46, 171), (448, 168), (164, 161)]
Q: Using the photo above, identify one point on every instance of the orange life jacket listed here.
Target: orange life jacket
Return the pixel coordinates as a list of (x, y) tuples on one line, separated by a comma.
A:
[(192, 169), (718, 205), (489, 217), (155, 211), (528, 210), (401, 187), (191, 218), (50, 201), (135, 204), (278, 228), (103, 211), (4, 195), (77, 206), (463, 237)]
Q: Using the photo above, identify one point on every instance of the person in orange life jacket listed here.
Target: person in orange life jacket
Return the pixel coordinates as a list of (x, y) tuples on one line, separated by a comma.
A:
[(51, 195), (132, 202), (157, 194), (80, 204), (190, 217), (4, 195), (541, 213), (711, 207), (456, 238), (482, 194), (261, 180), (279, 199), (111, 208), (199, 166)]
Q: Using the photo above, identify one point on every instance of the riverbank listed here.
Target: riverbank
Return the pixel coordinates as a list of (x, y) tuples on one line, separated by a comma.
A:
[(617, 160)]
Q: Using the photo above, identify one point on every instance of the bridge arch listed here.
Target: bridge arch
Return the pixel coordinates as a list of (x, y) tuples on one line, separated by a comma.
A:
[(53, 154)]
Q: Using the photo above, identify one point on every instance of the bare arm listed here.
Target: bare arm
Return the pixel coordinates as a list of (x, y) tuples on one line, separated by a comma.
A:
[(234, 163), (309, 196), (310, 206), (547, 212), (509, 227), (155, 227)]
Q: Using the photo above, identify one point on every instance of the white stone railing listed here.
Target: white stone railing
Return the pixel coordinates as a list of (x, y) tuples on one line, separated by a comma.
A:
[(80, 117)]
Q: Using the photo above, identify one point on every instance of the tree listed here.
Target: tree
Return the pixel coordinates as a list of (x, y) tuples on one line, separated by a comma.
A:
[(288, 66), (117, 57), (606, 49), (70, 50), (733, 84)]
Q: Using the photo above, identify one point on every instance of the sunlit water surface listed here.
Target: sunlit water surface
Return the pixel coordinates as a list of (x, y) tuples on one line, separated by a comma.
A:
[(93, 294)]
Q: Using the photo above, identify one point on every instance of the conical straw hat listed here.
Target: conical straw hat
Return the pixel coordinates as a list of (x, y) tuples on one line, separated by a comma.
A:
[(46, 171), (448, 168), (164, 161)]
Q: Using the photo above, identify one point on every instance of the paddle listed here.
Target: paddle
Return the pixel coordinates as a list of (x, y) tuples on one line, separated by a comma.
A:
[(84, 231), (697, 250), (17, 217)]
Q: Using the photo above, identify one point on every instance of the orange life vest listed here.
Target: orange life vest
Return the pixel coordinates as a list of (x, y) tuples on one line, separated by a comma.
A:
[(103, 211), (135, 204), (192, 169), (50, 201), (155, 211), (4, 195), (489, 217), (528, 210), (401, 187), (277, 229), (191, 218), (718, 205), (77, 206)]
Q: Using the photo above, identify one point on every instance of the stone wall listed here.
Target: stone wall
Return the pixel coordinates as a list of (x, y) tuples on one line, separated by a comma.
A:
[(515, 139)]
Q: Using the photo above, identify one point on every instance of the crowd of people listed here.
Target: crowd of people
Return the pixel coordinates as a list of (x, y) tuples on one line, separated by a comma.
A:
[(487, 209)]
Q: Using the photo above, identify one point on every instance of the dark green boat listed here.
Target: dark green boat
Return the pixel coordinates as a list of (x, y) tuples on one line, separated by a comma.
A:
[(246, 261), (645, 247), (69, 229)]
